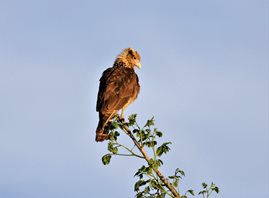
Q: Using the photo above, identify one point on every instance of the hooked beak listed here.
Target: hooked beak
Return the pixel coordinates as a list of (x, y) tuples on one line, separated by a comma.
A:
[(138, 65)]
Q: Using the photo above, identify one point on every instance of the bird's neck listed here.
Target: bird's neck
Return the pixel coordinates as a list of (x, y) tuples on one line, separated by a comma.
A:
[(122, 63)]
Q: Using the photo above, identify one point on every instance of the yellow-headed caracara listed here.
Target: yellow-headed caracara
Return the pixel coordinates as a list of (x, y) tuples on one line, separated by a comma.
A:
[(118, 88)]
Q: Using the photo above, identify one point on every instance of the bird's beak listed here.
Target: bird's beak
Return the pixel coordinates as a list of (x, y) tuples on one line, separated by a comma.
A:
[(138, 65)]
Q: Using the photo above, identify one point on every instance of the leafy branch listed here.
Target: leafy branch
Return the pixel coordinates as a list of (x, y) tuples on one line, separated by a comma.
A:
[(151, 182), (207, 190)]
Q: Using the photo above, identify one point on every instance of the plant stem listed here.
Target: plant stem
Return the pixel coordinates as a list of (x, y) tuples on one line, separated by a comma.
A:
[(129, 155), (134, 154)]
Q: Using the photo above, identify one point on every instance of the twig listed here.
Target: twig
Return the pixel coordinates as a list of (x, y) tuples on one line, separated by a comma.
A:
[(132, 153), (147, 158)]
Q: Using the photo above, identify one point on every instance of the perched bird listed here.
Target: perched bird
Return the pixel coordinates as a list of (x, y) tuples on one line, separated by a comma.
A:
[(118, 88)]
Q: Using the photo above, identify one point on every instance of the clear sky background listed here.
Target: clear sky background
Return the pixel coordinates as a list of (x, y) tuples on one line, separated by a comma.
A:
[(204, 77)]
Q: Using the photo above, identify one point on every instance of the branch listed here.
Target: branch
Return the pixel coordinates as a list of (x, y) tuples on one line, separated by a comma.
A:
[(126, 148), (147, 158)]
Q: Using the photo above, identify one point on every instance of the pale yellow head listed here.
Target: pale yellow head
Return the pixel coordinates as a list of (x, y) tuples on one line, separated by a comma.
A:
[(130, 57)]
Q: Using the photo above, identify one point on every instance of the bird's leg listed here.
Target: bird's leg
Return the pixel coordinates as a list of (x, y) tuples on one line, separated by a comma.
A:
[(108, 122), (122, 114), (122, 111), (106, 128)]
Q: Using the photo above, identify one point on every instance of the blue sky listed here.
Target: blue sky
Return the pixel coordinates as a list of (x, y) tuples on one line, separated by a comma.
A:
[(204, 77)]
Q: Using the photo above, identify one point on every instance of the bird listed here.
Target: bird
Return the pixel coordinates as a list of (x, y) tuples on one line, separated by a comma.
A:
[(118, 88)]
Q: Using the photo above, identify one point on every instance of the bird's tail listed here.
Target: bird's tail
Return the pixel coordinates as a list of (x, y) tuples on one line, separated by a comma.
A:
[(102, 131), (101, 136)]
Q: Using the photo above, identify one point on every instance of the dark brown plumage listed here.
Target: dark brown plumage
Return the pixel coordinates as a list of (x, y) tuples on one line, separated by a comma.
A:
[(118, 88)]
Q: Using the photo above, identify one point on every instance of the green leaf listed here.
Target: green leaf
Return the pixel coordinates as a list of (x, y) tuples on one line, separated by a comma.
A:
[(151, 161), (113, 125), (115, 150), (140, 195), (175, 183), (163, 148), (138, 172), (202, 192), (159, 162), (155, 166), (142, 135), (116, 134), (148, 131), (143, 170), (113, 135), (150, 143), (146, 190), (154, 184), (204, 185), (216, 189), (191, 192), (111, 148), (162, 195), (150, 122), (135, 131), (132, 119), (184, 196), (181, 172), (148, 170), (139, 183), (158, 133), (106, 159)]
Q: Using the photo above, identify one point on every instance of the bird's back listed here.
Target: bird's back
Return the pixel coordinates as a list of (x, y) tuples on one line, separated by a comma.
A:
[(118, 85)]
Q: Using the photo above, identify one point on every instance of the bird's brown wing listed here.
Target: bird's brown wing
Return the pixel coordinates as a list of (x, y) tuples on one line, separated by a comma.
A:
[(102, 87), (117, 87)]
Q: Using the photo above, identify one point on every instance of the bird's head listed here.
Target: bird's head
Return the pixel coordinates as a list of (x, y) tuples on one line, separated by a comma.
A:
[(130, 57)]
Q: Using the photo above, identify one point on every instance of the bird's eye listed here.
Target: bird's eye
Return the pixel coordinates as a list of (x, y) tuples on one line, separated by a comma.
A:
[(134, 57)]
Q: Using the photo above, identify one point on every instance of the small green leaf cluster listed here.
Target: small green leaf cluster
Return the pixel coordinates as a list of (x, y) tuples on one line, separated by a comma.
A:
[(176, 177), (148, 185), (191, 192), (113, 146), (208, 190)]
